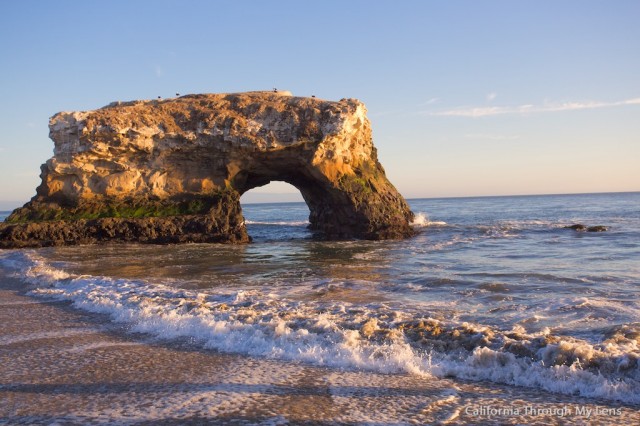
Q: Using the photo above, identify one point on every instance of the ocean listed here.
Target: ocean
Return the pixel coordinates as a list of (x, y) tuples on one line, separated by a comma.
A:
[(493, 293)]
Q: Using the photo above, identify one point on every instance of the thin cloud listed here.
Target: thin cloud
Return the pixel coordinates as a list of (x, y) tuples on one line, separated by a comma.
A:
[(491, 96), (159, 71), (492, 137), (429, 102), (530, 108)]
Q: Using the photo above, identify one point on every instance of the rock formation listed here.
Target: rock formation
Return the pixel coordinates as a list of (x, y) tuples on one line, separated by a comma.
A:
[(165, 171), (580, 227)]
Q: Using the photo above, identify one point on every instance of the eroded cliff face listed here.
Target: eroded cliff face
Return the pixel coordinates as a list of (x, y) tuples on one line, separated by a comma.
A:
[(193, 156)]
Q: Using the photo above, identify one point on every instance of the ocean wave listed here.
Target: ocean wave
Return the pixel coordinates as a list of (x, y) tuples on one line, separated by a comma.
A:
[(279, 223), (494, 230), (377, 336), (513, 227), (422, 220), (528, 276)]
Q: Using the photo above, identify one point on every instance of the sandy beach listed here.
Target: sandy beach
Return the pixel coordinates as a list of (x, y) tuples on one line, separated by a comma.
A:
[(61, 365)]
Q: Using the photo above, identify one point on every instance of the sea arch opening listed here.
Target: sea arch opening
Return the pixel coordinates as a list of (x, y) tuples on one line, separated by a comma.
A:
[(328, 205), (326, 153), (275, 210), (274, 192)]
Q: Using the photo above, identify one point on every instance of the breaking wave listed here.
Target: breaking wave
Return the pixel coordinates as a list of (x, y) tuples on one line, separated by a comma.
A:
[(422, 220), (376, 336)]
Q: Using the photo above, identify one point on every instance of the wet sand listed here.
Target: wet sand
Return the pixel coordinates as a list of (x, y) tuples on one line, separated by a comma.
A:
[(64, 366)]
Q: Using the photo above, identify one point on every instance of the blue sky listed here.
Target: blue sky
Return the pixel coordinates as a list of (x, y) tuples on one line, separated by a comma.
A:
[(465, 97)]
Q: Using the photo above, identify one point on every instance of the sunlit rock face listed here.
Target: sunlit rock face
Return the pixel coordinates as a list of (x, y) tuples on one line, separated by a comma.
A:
[(173, 170)]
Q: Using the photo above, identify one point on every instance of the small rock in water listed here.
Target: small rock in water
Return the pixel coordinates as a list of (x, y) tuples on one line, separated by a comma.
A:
[(581, 227)]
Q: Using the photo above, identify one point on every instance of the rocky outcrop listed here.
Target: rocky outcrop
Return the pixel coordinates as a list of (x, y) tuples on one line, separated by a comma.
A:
[(173, 170), (580, 227), (222, 223)]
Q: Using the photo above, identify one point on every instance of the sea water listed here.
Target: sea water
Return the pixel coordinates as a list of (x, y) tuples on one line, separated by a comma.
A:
[(492, 289)]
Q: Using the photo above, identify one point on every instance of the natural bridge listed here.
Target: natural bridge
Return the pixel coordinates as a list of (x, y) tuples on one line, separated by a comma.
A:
[(170, 171)]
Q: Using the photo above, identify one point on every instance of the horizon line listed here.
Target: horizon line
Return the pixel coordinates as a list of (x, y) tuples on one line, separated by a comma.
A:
[(431, 197), (480, 196)]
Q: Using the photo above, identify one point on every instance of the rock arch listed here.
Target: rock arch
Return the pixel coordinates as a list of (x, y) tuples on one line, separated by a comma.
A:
[(174, 170)]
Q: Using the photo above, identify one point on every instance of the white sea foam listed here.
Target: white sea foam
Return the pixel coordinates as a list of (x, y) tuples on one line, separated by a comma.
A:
[(422, 220), (530, 223), (99, 345), (22, 338), (339, 334)]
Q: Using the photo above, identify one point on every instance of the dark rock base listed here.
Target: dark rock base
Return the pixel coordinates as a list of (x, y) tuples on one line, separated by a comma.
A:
[(154, 230)]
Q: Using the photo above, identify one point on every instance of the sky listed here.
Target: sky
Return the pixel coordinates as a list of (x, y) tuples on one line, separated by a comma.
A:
[(466, 98)]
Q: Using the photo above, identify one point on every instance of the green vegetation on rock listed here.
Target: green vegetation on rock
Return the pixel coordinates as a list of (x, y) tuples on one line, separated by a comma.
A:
[(132, 208), (355, 184)]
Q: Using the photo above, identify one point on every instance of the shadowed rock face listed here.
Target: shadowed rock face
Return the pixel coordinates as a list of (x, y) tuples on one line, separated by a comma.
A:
[(146, 163)]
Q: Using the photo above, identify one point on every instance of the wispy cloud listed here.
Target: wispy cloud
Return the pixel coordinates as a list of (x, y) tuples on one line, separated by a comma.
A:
[(159, 71), (530, 108), (491, 137), (491, 96), (429, 102)]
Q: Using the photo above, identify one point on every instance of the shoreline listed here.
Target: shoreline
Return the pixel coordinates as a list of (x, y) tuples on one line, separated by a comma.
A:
[(61, 364)]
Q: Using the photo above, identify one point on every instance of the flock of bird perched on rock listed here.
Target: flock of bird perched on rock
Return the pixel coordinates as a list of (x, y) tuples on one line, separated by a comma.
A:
[(275, 90)]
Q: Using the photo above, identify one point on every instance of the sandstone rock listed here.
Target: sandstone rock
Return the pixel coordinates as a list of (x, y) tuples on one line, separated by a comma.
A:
[(173, 170)]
